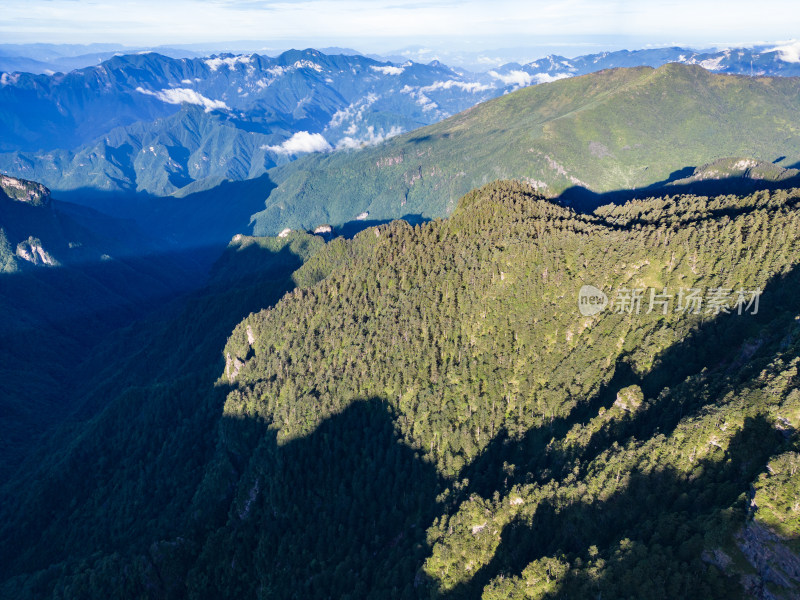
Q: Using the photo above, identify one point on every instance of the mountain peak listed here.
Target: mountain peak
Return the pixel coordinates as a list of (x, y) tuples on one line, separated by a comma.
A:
[(293, 55)]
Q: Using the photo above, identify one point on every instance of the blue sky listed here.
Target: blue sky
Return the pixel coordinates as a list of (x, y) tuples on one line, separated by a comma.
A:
[(380, 25)]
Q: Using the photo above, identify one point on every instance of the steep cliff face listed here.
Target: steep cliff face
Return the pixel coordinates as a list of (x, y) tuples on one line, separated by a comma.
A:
[(764, 553), (25, 216), (22, 190), (769, 541), (31, 250), (777, 567)]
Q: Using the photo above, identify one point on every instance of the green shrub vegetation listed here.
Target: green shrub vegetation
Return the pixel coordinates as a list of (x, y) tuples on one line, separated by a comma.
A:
[(423, 412)]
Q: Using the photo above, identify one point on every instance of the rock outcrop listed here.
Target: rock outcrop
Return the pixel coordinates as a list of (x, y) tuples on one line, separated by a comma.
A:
[(32, 251), (777, 566), (22, 190)]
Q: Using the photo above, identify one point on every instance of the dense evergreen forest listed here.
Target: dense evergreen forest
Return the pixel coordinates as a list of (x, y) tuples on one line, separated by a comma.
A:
[(423, 412)]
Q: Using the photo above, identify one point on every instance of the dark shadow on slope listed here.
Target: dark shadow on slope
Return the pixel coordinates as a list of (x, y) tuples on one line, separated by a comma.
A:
[(240, 267), (351, 228), (339, 513), (586, 200), (675, 176), (149, 392), (80, 326), (718, 345), (55, 318), (529, 454), (661, 511), (189, 335), (212, 214), (107, 291), (420, 139)]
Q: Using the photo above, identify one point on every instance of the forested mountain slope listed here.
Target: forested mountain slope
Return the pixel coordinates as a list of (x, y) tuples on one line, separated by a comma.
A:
[(614, 130), (68, 277), (429, 414)]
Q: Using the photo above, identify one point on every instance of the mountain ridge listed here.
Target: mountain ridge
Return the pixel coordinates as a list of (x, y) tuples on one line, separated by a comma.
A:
[(613, 130), (523, 438)]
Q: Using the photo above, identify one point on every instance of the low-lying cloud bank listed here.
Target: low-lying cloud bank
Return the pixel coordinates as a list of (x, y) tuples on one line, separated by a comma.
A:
[(301, 142), (524, 79), (370, 138), (788, 52), (185, 96)]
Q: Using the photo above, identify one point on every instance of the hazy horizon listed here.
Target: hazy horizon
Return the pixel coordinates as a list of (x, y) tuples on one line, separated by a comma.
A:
[(385, 27), (468, 54)]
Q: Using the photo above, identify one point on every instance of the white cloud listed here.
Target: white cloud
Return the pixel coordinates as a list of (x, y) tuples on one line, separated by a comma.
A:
[(185, 96), (370, 139), (354, 112), (300, 143), (216, 63), (547, 78), (518, 78), (425, 102), (307, 64), (789, 52), (524, 79), (712, 64), (7, 78), (420, 97), (472, 87), (388, 70), (278, 71)]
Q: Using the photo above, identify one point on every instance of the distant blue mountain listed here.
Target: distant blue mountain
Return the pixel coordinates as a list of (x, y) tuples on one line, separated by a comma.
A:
[(62, 58), (306, 88), (152, 126), (149, 123), (762, 60)]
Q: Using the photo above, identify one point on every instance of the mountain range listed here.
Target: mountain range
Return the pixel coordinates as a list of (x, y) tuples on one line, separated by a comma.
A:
[(146, 126), (162, 130), (303, 89), (587, 140), (781, 60), (62, 121), (325, 326)]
